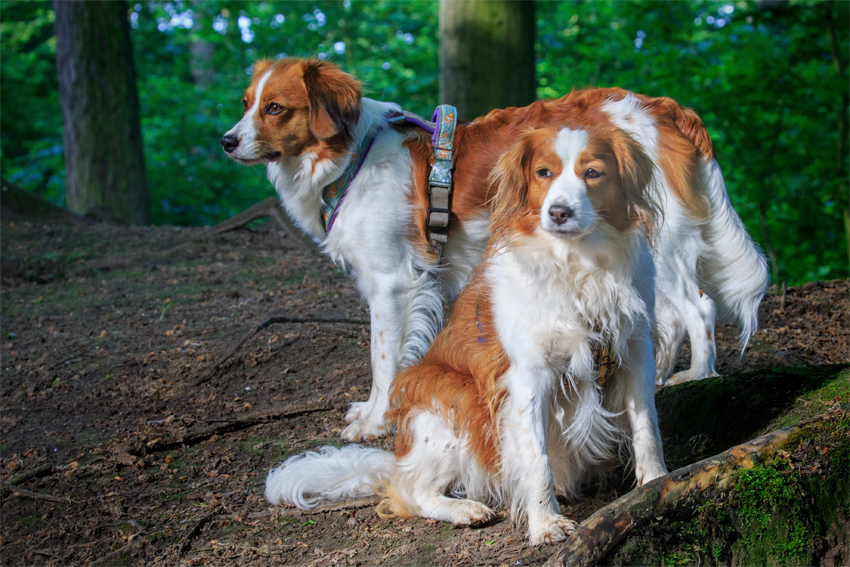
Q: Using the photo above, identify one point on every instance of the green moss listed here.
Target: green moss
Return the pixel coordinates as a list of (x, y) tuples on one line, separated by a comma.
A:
[(707, 417), (792, 510), (776, 528), (817, 401), (698, 540)]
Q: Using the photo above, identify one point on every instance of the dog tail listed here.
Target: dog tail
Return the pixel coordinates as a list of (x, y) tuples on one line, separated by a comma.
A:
[(330, 474), (732, 269)]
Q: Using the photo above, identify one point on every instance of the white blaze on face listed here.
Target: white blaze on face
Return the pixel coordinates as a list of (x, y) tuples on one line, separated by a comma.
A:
[(246, 130), (568, 189)]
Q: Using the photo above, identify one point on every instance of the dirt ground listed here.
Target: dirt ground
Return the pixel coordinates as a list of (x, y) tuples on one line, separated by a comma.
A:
[(119, 400)]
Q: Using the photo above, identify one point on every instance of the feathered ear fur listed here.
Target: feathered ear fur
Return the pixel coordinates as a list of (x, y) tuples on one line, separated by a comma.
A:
[(509, 179), (261, 66), (636, 172), (334, 98)]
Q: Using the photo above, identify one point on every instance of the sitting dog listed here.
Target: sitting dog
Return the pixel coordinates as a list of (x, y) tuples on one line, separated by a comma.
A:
[(546, 365), (306, 120)]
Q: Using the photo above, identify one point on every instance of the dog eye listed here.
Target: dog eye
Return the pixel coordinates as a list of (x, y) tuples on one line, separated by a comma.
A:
[(544, 173), (245, 104), (592, 174), (274, 108)]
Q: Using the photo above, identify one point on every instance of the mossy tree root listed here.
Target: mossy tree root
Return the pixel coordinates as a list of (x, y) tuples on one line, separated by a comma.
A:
[(678, 492)]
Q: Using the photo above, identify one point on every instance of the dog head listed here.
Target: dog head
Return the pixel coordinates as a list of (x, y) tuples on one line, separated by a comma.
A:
[(293, 106), (565, 181)]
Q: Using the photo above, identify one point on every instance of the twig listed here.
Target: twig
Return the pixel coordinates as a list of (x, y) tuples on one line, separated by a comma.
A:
[(36, 495), (80, 353), (229, 426), (267, 208), (38, 472), (347, 505), (195, 532), (272, 321), (112, 558), (47, 554)]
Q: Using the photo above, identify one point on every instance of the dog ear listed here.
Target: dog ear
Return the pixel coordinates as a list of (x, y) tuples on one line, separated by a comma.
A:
[(509, 180), (636, 176), (261, 66), (334, 99)]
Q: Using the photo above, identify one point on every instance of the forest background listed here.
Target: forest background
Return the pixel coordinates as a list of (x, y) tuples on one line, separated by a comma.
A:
[(768, 78)]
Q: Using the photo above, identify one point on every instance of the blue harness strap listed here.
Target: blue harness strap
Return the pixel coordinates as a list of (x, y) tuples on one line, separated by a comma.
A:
[(440, 180), (442, 127), (334, 193)]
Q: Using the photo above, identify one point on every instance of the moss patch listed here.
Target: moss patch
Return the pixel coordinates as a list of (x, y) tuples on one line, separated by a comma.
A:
[(707, 417), (792, 510), (775, 524)]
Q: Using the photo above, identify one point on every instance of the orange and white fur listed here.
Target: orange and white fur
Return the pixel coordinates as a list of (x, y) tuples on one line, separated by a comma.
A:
[(507, 405), (303, 119)]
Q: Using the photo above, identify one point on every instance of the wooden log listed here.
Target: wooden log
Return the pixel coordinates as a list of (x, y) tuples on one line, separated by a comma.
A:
[(677, 492)]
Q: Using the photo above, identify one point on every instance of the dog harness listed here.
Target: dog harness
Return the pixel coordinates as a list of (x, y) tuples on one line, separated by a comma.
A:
[(442, 128), (604, 361), (334, 193)]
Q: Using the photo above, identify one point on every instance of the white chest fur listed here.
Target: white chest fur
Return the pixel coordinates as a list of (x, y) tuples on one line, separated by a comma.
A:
[(552, 298)]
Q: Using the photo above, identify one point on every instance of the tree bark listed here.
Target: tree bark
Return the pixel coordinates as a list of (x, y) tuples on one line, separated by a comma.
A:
[(486, 55), (104, 162)]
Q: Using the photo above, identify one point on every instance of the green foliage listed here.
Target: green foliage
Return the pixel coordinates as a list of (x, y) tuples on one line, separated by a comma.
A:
[(31, 133), (762, 75), (763, 78), (194, 60)]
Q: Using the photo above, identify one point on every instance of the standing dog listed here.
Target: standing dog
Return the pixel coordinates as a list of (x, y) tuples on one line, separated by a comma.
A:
[(513, 403), (304, 119)]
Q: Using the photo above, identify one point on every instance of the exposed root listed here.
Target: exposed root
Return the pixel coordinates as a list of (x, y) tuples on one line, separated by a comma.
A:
[(267, 323), (194, 532), (267, 208), (229, 426), (347, 505), (35, 495)]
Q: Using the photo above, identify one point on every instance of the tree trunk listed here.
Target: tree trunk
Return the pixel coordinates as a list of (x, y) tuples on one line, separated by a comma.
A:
[(486, 55), (104, 163)]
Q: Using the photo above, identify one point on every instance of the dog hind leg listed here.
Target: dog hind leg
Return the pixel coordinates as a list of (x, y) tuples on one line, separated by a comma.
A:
[(431, 467), (699, 317)]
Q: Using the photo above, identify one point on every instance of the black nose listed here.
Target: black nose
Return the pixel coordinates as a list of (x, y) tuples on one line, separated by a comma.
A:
[(560, 214), (229, 142)]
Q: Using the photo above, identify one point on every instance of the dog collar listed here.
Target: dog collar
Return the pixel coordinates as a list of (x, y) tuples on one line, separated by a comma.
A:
[(334, 192), (604, 361)]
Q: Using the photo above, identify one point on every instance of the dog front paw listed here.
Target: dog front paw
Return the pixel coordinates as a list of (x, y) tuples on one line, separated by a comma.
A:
[(553, 528), (646, 473), (471, 513), (689, 375), (358, 411), (362, 429)]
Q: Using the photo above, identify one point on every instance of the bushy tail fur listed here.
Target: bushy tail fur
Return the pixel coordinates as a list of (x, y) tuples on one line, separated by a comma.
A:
[(732, 269), (330, 474)]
